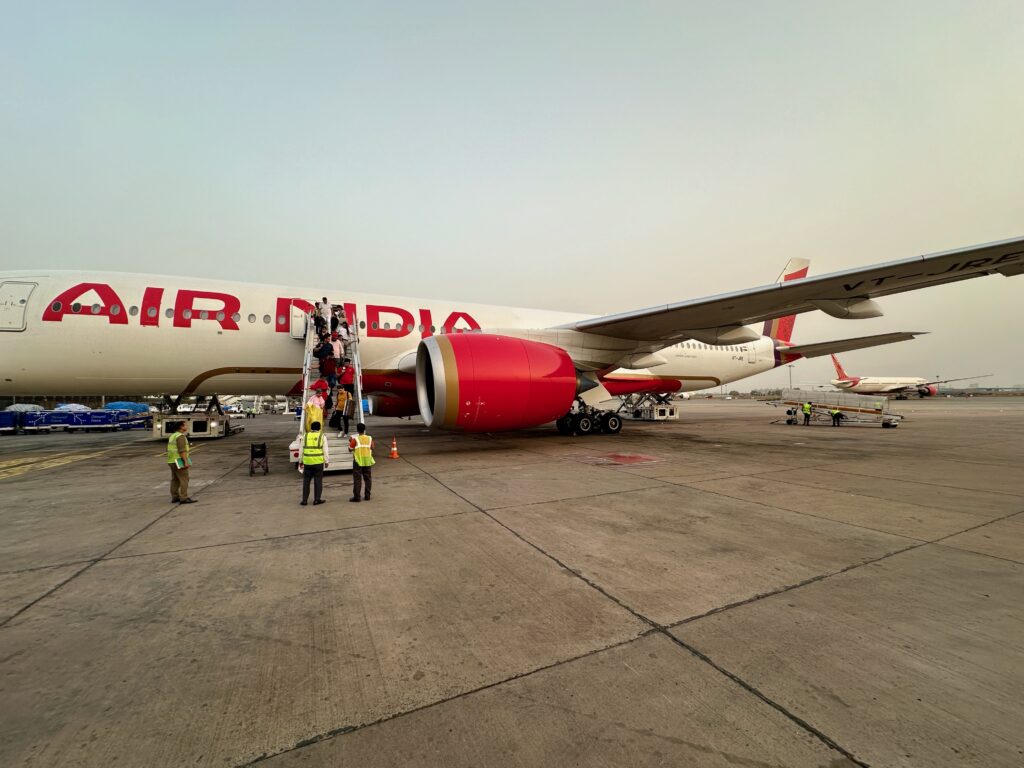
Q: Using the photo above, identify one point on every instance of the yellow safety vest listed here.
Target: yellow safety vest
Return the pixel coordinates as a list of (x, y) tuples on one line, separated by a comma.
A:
[(313, 449), (362, 455), (807, 408), (172, 447)]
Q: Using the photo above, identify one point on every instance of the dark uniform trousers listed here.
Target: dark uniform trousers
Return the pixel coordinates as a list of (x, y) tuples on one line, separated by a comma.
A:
[(179, 482), (358, 475), (312, 473)]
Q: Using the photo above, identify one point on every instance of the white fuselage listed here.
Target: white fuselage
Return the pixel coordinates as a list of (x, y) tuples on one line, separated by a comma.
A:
[(879, 385), (116, 333)]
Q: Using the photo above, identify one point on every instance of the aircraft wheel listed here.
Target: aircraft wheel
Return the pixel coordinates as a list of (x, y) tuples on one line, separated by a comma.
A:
[(611, 423), (564, 425), (582, 424)]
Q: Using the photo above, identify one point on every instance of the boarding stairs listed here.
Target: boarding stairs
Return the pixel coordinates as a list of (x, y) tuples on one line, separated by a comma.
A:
[(862, 410), (302, 326)]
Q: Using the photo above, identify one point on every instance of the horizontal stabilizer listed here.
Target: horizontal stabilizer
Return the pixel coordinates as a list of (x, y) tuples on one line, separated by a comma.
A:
[(846, 345)]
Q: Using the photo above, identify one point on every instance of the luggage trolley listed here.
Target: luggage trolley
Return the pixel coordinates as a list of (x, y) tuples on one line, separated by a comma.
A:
[(258, 458)]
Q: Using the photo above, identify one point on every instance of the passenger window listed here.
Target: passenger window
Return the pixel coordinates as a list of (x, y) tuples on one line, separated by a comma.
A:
[(115, 309), (220, 316), (266, 319), (151, 312), (387, 326), (362, 325), (169, 312), (95, 308), (204, 315), (374, 326), (236, 317), (133, 311), (252, 318), (187, 314), (56, 307)]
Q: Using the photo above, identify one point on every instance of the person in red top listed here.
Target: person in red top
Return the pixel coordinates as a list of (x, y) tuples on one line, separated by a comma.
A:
[(348, 376)]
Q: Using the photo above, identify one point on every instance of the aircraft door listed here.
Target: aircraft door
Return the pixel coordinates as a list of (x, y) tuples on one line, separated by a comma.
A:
[(297, 326), (14, 304), (751, 353)]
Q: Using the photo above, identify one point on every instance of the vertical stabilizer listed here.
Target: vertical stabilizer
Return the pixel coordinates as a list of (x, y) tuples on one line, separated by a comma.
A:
[(840, 373), (781, 328)]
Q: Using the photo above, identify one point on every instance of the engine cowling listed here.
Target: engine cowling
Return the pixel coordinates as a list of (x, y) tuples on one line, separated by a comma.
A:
[(393, 405), (479, 382), (928, 390)]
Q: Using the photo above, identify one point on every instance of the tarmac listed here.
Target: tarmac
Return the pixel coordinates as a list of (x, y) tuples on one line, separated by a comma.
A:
[(724, 590)]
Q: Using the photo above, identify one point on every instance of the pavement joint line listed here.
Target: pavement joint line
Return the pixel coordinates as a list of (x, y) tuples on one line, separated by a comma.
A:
[(976, 552), (797, 585), (286, 536), (851, 567), (792, 717), (657, 484), (922, 482), (806, 484), (573, 571), (345, 729), (808, 514), (94, 561)]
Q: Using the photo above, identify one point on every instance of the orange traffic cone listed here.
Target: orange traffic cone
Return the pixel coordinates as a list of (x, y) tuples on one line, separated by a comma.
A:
[(394, 450)]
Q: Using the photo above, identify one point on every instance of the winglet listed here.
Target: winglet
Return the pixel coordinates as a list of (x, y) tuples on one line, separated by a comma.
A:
[(781, 328)]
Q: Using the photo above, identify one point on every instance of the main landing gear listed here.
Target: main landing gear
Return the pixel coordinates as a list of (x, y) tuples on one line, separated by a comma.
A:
[(589, 421)]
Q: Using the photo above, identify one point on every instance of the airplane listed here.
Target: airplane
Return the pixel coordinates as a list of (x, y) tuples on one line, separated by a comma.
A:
[(899, 386), (463, 367)]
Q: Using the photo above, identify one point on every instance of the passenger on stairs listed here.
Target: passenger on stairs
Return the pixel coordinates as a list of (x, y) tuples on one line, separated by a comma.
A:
[(318, 320), (335, 320), (345, 334), (345, 406), (314, 407), (325, 311), (348, 376), (337, 346)]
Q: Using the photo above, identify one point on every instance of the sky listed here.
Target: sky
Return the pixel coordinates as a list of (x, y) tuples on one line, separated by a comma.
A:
[(592, 156)]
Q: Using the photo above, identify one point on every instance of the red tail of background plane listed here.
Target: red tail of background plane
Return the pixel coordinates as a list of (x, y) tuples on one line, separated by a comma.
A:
[(840, 373)]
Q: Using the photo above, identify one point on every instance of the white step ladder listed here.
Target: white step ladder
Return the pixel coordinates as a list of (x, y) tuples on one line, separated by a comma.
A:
[(303, 327)]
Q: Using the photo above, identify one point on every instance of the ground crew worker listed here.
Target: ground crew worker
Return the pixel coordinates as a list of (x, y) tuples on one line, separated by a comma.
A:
[(179, 459), (361, 446), (837, 416), (314, 457), (807, 413)]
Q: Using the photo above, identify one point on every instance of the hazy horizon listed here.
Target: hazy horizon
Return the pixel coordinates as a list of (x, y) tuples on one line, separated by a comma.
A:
[(588, 157)]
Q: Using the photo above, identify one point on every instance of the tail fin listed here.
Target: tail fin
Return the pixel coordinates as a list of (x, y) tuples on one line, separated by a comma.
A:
[(781, 328), (840, 373)]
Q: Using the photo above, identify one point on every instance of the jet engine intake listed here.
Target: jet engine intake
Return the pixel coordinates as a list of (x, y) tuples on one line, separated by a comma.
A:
[(478, 382), (928, 390)]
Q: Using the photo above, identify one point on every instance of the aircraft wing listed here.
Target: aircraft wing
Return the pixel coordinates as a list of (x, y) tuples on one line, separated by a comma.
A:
[(831, 293), (963, 378), (846, 345)]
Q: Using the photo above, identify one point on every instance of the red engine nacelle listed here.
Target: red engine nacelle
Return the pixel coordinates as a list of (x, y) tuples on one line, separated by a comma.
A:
[(480, 382), (393, 405), (929, 390)]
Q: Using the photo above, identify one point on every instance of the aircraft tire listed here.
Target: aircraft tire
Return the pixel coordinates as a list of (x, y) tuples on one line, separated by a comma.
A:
[(582, 424), (611, 423)]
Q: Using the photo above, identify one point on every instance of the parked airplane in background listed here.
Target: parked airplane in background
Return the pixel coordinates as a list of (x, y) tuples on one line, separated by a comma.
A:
[(900, 386), (474, 368)]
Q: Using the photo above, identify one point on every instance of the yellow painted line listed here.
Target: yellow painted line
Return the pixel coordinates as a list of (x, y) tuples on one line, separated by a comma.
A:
[(56, 461), (28, 459)]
